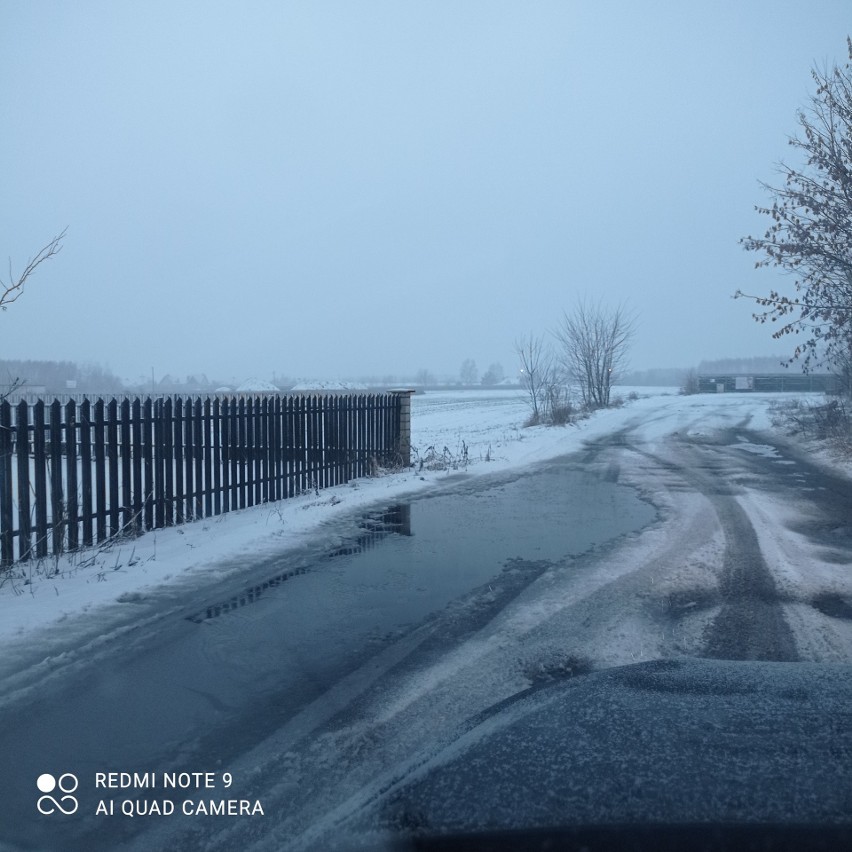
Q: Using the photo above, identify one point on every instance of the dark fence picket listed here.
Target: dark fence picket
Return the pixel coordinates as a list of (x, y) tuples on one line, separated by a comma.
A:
[(7, 523), (112, 457), (238, 438), (149, 481), (225, 415), (372, 438), (307, 443), (160, 453), (234, 419), (322, 473), (255, 450), (356, 437), (22, 450), (169, 483), (365, 427), (57, 497), (296, 442), (328, 449), (72, 495), (248, 451), (86, 508), (353, 436), (389, 448), (287, 446), (200, 449), (275, 448), (240, 448), (379, 415), (384, 412), (126, 455), (343, 438), (362, 435), (135, 450), (100, 471), (189, 460), (261, 462), (346, 437), (268, 408), (310, 442), (212, 414), (319, 460), (40, 479), (178, 447), (88, 472)]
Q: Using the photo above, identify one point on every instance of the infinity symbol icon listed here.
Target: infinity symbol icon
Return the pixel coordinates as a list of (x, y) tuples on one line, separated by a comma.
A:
[(67, 784)]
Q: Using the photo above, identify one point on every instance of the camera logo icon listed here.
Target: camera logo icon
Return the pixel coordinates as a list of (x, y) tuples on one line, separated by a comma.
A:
[(66, 784)]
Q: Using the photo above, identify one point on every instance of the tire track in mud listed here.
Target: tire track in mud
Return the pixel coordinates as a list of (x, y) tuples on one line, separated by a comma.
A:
[(751, 623)]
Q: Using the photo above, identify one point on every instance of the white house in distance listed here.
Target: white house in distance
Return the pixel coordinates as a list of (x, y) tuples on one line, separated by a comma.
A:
[(257, 386)]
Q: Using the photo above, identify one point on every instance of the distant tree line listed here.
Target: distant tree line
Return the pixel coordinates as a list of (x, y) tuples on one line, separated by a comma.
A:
[(469, 374), (59, 376)]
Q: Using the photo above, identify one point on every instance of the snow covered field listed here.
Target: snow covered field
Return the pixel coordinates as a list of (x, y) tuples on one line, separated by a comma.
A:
[(67, 592)]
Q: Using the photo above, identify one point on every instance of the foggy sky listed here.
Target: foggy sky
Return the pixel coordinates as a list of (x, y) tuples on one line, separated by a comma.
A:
[(369, 188)]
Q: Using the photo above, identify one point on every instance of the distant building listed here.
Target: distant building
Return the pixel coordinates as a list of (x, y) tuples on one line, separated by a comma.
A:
[(770, 382), (325, 385), (254, 385)]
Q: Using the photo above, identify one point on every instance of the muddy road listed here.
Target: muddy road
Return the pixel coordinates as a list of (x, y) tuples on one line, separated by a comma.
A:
[(314, 683)]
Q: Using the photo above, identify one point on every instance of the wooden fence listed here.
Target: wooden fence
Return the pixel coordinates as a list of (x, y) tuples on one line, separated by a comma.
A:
[(77, 474)]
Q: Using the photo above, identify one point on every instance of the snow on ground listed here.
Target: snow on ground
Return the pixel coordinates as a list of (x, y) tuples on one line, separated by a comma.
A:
[(488, 424), (325, 770)]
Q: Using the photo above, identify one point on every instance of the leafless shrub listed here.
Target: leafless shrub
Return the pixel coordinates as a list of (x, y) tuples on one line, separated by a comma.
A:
[(594, 342), (689, 383), (432, 459), (536, 369), (830, 421)]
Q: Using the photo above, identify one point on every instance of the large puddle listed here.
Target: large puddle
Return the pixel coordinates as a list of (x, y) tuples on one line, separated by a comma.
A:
[(244, 660), (408, 560)]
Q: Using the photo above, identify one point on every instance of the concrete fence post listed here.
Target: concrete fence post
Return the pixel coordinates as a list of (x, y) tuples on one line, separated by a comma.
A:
[(404, 395)]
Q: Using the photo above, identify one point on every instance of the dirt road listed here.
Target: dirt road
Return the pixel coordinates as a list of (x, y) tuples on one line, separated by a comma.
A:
[(744, 554)]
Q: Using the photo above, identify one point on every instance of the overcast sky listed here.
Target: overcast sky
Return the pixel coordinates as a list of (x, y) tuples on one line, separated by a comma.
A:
[(329, 190)]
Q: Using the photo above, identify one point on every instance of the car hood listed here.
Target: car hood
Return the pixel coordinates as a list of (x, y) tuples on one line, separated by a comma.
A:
[(683, 742)]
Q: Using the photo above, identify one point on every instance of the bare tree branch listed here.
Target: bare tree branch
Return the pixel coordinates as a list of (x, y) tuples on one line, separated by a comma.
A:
[(13, 290)]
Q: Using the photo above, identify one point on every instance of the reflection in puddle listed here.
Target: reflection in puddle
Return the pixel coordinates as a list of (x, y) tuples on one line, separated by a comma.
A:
[(438, 547), (395, 520)]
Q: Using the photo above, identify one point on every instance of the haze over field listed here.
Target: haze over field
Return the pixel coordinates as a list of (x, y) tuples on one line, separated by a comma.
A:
[(337, 189)]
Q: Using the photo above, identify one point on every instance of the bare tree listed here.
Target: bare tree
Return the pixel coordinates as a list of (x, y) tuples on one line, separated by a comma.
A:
[(468, 372), (594, 342), (689, 383), (536, 365), (424, 378), (13, 290), (810, 233), (493, 375)]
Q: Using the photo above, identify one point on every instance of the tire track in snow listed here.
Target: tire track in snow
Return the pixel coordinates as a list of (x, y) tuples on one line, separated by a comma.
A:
[(751, 623)]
